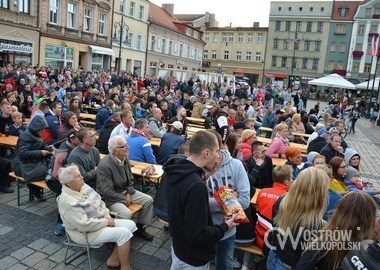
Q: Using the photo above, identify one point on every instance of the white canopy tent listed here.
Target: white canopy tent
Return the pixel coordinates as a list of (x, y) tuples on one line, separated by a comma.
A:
[(363, 85), (333, 80)]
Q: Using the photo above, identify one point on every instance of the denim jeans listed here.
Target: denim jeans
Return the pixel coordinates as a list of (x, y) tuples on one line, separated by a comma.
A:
[(225, 254), (275, 263), (177, 264)]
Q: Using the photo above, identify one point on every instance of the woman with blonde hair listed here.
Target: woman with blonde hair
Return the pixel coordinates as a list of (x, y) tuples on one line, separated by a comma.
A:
[(299, 211), (355, 215), (297, 125), (248, 137), (279, 142)]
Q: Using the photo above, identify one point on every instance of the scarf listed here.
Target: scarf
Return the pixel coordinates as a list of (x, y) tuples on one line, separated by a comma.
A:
[(139, 132)]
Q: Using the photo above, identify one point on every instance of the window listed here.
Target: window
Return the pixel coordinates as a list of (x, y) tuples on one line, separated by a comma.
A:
[(320, 27), (367, 68), (3, 3), (343, 12), (258, 57), (231, 37), (290, 8), (286, 44), (298, 26), (304, 63), (54, 9), (315, 64), (226, 55), (260, 37), (207, 37), (311, 9), (274, 61), (317, 46), (213, 55), (240, 37), (279, 8), (249, 37), (331, 65), (224, 37), (216, 37), (355, 67), (71, 14), (122, 6), (170, 47), (300, 8), (373, 28), (130, 39), (284, 61), (358, 47), (361, 30), (87, 20), (188, 52), (248, 56), (139, 42), (342, 47), (238, 55), (307, 45), (142, 13), (181, 50), (132, 9), (23, 6), (340, 29), (377, 11), (275, 44), (163, 48), (205, 54), (309, 26), (296, 45), (368, 12), (322, 9), (333, 47), (102, 23), (287, 26), (278, 26)]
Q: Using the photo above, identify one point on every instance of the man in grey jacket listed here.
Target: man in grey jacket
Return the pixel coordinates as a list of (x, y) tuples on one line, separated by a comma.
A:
[(115, 186)]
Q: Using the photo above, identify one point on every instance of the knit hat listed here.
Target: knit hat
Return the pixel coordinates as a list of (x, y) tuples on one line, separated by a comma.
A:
[(351, 172), (292, 151)]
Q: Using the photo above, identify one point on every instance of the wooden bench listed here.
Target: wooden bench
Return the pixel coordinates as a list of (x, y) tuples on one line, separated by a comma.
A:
[(134, 208), (253, 248), (87, 123), (21, 183)]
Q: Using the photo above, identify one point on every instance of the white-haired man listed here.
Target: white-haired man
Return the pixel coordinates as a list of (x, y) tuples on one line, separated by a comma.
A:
[(115, 185)]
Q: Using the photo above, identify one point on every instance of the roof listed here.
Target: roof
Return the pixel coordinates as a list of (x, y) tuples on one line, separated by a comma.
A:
[(352, 6), (188, 17), (160, 16)]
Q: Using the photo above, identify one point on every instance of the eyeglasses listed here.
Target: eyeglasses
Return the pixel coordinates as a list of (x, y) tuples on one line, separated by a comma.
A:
[(343, 167), (123, 146)]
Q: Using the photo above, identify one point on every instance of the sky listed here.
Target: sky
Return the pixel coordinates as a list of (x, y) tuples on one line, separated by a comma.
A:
[(237, 12)]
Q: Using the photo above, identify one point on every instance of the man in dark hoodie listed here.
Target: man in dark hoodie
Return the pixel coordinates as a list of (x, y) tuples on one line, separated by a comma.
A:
[(193, 234)]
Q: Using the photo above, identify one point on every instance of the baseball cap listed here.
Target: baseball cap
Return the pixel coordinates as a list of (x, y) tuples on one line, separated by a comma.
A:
[(210, 104), (177, 125), (72, 134), (322, 132)]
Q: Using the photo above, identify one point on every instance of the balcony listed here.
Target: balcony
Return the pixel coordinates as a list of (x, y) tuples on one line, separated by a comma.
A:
[(376, 16), (341, 72), (357, 54)]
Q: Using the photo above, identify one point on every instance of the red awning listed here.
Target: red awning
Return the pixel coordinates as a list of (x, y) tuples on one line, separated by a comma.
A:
[(277, 75)]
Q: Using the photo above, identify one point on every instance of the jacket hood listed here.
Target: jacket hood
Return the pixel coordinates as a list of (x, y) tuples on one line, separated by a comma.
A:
[(178, 168), (226, 156), (311, 156), (37, 123), (349, 153)]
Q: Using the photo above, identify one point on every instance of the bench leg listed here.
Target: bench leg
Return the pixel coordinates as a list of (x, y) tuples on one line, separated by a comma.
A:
[(18, 193)]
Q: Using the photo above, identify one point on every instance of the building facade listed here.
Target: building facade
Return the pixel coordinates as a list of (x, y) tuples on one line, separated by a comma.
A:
[(76, 33), (130, 49), (297, 41), (19, 36), (236, 50), (174, 48)]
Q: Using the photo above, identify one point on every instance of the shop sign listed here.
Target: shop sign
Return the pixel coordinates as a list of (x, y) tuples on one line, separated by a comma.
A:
[(55, 52), (15, 48)]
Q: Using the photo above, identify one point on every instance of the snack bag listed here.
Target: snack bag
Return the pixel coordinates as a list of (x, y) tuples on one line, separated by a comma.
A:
[(226, 199)]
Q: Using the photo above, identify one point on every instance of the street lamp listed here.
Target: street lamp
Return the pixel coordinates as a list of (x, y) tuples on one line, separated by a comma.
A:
[(296, 42), (122, 26)]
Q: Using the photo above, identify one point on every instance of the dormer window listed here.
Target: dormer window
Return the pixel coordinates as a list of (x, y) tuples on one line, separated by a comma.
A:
[(343, 11)]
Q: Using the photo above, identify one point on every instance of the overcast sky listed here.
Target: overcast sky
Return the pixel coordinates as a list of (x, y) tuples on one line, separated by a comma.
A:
[(237, 12)]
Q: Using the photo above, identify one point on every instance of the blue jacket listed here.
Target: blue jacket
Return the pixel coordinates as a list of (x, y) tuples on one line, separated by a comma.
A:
[(140, 149), (170, 143), (53, 124), (101, 117), (15, 131), (334, 198)]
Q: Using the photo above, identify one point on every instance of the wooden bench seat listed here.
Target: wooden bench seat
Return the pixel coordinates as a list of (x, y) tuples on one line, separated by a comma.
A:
[(87, 123), (135, 208), (254, 249)]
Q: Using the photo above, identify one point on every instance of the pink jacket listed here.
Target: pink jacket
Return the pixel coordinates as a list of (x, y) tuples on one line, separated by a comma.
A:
[(246, 150), (276, 148)]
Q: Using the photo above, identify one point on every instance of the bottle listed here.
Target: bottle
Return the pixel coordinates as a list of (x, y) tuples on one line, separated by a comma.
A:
[(6, 130)]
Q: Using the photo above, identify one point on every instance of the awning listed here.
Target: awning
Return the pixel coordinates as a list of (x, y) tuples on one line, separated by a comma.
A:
[(276, 75), (102, 50)]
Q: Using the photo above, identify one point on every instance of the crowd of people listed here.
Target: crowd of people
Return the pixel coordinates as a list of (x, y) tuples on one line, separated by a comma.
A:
[(306, 194)]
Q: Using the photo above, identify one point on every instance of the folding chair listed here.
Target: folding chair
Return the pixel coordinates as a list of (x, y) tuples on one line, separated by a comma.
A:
[(68, 242)]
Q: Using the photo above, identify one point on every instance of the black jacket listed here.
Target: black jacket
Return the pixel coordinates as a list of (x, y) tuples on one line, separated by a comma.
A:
[(259, 176), (104, 135), (317, 144), (222, 128), (193, 234), (330, 152)]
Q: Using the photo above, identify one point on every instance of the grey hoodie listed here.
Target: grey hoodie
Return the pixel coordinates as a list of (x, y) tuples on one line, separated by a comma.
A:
[(348, 154), (230, 173)]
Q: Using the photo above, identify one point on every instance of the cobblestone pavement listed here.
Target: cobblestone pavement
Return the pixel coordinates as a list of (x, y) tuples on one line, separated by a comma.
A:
[(26, 233)]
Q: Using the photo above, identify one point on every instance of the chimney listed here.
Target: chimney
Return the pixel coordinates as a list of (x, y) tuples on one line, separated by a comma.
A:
[(169, 8), (230, 24), (256, 24)]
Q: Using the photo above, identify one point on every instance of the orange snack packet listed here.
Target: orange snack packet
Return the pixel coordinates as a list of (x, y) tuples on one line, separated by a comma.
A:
[(226, 199)]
